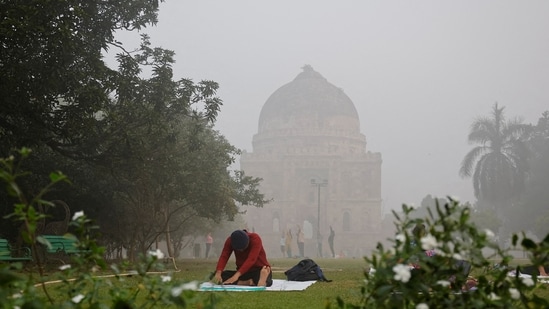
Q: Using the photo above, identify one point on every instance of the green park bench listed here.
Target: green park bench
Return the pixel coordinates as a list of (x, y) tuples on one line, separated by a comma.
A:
[(62, 244), (7, 252)]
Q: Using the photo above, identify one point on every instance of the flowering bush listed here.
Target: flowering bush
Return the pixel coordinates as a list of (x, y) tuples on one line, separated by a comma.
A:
[(404, 276), (79, 282)]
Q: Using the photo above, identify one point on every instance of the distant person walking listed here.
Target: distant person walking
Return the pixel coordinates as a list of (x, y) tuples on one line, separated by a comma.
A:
[(331, 241), (209, 242), (283, 244), (289, 243), (301, 242)]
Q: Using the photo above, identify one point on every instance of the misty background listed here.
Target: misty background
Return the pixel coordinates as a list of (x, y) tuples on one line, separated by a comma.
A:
[(418, 72)]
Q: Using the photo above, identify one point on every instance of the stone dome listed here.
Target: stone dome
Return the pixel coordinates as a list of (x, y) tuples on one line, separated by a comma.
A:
[(309, 102), (309, 114)]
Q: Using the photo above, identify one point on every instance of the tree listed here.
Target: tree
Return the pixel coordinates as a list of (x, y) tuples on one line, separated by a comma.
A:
[(498, 165), (167, 163), (533, 204), (54, 82), (537, 195), (53, 79), (141, 148)]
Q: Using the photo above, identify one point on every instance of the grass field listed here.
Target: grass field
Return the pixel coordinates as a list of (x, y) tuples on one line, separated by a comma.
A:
[(347, 276)]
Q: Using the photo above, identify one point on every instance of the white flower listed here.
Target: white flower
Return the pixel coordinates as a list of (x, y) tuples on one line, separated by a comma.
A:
[(64, 266), (402, 272), (493, 296), (457, 256), (412, 206), (422, 306), (454, 198), (515, 294), (489, 234), (440, 252), (400, 237), (17, 295), (444, 283), (78, 298), (77, 215), (527, 281), (166, 278), (157, 253), (176, 291), (429, 242)]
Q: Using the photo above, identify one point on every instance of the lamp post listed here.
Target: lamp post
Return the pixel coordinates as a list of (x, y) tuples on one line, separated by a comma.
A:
[(319, 184)]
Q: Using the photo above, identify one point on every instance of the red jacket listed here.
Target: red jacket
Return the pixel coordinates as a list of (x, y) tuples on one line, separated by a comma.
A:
[(253, 257)]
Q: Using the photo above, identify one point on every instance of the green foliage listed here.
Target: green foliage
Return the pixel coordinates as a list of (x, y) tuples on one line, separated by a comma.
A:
[(25, 211), (80, 281), (135, 141), (437, 281), (52, 76)]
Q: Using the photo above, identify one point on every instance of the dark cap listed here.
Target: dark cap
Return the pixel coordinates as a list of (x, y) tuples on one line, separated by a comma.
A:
[(239, 240)]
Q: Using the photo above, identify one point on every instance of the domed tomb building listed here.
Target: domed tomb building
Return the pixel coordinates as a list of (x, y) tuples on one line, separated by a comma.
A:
[(315, 168)]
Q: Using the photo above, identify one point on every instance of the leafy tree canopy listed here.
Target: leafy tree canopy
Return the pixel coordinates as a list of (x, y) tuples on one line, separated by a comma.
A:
[(133, 145), (53, 80)]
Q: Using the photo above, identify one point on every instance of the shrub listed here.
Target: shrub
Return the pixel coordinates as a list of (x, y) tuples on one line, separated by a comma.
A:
[(404, 276), (79, 282)]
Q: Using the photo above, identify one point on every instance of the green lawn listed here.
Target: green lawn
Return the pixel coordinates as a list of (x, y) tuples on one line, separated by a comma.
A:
[(347, 276)]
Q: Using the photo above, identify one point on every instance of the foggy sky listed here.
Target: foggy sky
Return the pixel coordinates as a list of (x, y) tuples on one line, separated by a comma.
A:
[(418, 72)]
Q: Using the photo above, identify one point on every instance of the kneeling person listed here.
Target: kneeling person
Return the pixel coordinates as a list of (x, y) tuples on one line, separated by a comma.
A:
[(252, 267)]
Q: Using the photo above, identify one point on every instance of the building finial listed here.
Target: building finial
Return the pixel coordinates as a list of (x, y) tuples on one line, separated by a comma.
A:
[(307, 68)]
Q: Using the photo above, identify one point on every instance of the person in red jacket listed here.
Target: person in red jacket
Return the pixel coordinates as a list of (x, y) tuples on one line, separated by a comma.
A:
[(252, 267)]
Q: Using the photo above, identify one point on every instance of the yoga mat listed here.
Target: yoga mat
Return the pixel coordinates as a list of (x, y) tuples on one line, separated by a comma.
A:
[(278, 285), (541, 279), (207, 286)]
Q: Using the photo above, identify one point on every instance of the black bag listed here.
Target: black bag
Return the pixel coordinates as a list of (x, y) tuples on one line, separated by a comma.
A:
[(305, 270)]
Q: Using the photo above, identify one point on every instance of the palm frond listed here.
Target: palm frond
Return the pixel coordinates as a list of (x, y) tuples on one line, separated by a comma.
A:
[(470, 159), (481, 131)]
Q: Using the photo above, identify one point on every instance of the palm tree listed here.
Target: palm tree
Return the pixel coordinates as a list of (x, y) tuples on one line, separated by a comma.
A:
[(498, 163)]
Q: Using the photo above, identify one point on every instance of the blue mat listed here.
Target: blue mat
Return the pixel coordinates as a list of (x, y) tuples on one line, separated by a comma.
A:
[(235, 288), (278, 285)]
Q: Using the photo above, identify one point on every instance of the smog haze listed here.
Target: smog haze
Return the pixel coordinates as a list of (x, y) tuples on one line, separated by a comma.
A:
[(418, 72)]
